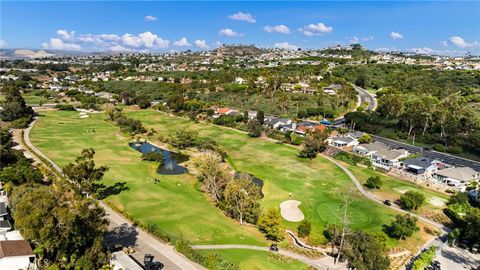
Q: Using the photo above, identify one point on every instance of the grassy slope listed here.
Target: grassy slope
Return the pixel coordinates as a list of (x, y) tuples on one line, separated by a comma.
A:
[(175, 205), (178, 207), (316, 183), (254, 260), (393, 188)]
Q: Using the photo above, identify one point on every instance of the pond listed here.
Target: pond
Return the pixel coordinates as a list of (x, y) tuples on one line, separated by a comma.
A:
[(170, 159)]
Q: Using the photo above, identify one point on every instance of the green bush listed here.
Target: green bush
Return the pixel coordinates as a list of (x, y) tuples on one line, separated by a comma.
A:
[(64, 107), (412, 200), (374, 182), (425, 259), (304, 228)]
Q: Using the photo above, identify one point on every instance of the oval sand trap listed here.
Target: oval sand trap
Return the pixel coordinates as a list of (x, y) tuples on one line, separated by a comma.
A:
[(290, 211)]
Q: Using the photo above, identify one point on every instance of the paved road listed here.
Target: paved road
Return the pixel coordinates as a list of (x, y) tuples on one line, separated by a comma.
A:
[(122, 231), (447, 158), (365, 96)]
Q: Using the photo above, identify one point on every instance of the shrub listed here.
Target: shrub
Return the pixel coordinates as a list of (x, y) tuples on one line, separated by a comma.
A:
[(254, 128), (374, 182), (269, 224), (425, 259), (304, 228), (439, 148), (64, 107), (184, 138), (412, 200), (402, 227)]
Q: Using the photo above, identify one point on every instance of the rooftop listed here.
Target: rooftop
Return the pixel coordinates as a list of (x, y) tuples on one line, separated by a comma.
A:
[(15, 248)]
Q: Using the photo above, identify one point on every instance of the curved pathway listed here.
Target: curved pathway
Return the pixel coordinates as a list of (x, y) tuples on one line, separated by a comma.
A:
[(144, 242), (180, 262), (360, 188)]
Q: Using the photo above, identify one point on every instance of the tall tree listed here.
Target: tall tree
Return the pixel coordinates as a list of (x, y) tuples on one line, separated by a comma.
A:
[(213, 174), (269, 224), (83, 172), (242, 199), (366, 252)]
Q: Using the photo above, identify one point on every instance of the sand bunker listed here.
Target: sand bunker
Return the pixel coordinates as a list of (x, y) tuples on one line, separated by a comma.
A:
[(84, 116), (290, 211)]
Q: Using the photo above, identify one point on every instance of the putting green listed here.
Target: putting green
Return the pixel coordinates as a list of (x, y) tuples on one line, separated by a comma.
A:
[(177, 207)]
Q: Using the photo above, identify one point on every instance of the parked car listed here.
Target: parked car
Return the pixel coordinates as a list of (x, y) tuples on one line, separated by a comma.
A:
[(387, 202)]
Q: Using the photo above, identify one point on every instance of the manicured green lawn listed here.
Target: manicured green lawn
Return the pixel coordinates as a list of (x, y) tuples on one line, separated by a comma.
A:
[(254, 259), (177, 206), (317, 183), (174, 205), (34, 100), (393, 188)]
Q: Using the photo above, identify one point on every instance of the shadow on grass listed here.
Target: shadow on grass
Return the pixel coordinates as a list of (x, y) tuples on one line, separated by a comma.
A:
[(103, 191)]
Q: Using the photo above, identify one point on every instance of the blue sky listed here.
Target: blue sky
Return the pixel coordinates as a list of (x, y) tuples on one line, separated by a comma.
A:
[(435, 27)]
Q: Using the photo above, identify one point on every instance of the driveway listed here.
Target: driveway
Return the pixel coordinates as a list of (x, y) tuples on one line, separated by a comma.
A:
[(457, 258)]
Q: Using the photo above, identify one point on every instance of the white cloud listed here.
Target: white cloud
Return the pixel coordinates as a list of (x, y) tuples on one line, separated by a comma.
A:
[(396, 35), (217, 44), (119, 48), (150, 18), (277, 29), (111, 42), (356, 39), (286, 46), (423, 50), (444, 43), (240, 16), (229, 33), (58, 44), (201, 43), (183, 42), (430, 51), (461, 43), (316, 29), (3, 44), (144, 40), (65, 35)]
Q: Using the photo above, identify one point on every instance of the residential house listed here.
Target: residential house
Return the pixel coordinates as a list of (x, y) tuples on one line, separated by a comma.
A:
[(421, 165), (367, 150), (276, 123), (332, 89), (342, 141), (303, 129), (225, 111), (16, 255), (386, 158), (457, 177)]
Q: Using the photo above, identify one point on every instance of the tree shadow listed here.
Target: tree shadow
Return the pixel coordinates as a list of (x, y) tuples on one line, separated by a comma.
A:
[(103, 191), (122, 236)]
